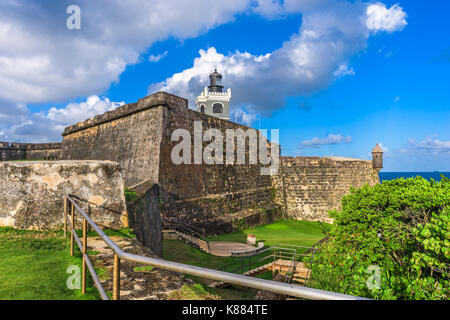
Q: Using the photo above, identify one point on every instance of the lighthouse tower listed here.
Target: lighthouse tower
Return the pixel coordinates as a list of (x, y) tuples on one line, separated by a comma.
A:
[(212, 100)]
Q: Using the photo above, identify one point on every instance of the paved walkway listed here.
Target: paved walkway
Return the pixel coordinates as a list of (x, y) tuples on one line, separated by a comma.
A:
[(224, 248)]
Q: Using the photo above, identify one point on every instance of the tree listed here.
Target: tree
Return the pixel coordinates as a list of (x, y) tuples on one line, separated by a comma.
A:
[(389, 241)]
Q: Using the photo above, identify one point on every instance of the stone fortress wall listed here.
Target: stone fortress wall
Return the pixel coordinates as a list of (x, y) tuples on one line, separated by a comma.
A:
[(308, 187), (129, 135), (220, 197), (29, 151), (32, 193)]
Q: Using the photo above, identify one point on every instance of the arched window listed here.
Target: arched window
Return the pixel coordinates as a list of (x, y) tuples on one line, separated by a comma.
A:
[(202, 108), (217, 108)]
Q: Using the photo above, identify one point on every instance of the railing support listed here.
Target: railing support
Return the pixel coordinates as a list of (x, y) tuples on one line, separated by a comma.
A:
[(83, 275), (65, 216), (116, 278), (227, 277), (71, 231)]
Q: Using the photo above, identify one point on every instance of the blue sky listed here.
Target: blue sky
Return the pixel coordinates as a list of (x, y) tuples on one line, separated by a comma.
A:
[(332, 77)]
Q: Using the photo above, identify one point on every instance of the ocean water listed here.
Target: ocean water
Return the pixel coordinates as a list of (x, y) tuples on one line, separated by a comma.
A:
[(427, 175)]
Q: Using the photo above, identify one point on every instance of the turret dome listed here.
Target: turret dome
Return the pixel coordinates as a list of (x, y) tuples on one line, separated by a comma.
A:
[(215, 82)]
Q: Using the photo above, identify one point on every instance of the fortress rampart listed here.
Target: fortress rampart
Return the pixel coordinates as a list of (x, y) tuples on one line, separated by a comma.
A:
[(32, 193), (219, 197), (308, 187), (29, 151)]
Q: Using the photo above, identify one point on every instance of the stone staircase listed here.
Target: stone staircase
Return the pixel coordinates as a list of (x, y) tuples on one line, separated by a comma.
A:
[(187, 238), (299, 274), (258, 270)]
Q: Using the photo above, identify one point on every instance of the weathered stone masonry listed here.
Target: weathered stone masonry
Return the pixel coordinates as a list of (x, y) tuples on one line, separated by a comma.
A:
[(32, 193), (308, 187), (138, 136), (29, 151), (218, 197)]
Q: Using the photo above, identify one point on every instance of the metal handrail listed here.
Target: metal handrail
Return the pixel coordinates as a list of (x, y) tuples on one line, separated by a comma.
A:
[(187, 228), (274, 247), (261, 284)]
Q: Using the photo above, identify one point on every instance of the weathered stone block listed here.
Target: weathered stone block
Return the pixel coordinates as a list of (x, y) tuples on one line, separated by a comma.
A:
[(32, 193), (144, 218)]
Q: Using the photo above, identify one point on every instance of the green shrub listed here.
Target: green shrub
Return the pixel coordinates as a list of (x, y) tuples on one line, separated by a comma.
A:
[(130, 195), (192, 292), (401, 227)]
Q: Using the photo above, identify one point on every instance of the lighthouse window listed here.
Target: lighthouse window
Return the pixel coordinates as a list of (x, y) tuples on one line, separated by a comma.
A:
[(217, 108)]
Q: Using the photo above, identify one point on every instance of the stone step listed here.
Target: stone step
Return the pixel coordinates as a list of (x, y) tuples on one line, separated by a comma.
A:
[(219, 284)]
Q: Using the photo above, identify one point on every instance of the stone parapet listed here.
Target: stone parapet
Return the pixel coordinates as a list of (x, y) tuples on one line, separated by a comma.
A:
[(32, 193), (158, 99), (308, 187)]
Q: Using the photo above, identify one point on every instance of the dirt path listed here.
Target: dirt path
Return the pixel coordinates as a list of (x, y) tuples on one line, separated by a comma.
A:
[(136, 284)]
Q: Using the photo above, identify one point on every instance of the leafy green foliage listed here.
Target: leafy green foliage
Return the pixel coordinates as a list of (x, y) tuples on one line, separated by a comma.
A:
[(431, 260), (143, 269), (401, 227), (130, 195), (192, 292)]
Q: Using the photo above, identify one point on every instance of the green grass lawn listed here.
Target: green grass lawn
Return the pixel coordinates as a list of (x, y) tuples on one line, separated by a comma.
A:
[(301, 233), (33, 266)]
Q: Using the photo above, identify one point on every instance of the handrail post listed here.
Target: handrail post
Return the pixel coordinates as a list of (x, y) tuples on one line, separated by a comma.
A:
[(71, 230), (83, 275), (119, 254), (116, 278), (89, 215), (65, 216), (273, 263)]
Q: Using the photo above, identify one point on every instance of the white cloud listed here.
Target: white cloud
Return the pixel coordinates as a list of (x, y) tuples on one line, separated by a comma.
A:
[(269, 8), (12, 113), (383, 147), (385, 52), (74, 112), (41, 60), (156, 58), (343, 71), (380, 18), (327, 140), (309, 61), (40, 127), (243, 117), (430, 146)]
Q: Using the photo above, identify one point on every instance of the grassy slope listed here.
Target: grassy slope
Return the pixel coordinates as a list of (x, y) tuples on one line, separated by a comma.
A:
[(33, 266), (303, 233)]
